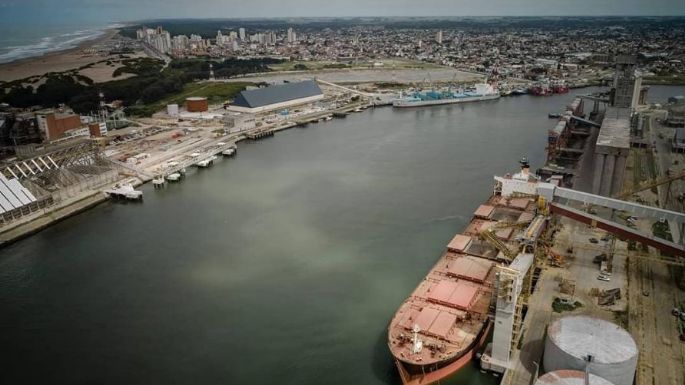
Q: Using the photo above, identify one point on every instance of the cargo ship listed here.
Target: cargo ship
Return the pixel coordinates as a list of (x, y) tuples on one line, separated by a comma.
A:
[(430, 98), (447, 318)]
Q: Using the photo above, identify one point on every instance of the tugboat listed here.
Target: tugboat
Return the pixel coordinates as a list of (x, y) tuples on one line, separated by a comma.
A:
[(541, 90)]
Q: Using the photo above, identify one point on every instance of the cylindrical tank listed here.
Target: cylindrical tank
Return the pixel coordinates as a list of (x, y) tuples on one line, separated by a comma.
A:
[(572, 340), (172, 109), (196, 104), (570, 377)]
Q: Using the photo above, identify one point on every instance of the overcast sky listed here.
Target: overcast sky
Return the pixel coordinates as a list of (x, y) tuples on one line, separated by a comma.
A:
[(111, 10)]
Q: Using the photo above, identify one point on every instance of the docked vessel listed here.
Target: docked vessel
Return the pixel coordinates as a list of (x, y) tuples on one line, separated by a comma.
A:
[(431, 98), (446, 320)]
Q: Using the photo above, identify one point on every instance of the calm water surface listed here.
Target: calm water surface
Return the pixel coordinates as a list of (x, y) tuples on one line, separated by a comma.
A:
[(283, 265)]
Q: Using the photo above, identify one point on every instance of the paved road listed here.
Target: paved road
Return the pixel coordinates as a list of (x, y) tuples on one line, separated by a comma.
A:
[(664, 159)]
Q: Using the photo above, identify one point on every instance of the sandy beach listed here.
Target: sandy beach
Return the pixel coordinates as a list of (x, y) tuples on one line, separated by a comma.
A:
[(55, 61)]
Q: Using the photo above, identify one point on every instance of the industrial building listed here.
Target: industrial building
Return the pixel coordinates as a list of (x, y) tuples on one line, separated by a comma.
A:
[(54, 125), (587, 343), (613, 142), (237, 121), (14, 198), (276, 97), (611, 151), (679, 140)]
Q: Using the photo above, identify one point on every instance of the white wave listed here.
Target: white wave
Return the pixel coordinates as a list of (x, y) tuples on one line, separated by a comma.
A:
[(48, 44)]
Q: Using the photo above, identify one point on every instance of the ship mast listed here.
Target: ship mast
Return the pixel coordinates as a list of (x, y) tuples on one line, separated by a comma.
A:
[(417, 343)]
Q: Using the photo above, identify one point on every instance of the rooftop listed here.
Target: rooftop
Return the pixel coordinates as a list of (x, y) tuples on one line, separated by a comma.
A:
[(615, 130), (277, 94)]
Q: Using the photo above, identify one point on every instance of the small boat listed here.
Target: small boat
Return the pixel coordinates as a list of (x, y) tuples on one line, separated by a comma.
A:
[(553, 116), (158, 181), (228, 152), (519, 91), (175, 177), (124, 191), (328, 118), (207, 162)]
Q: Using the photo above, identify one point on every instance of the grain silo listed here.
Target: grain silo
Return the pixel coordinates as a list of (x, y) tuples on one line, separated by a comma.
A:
[(573, 340), (570, 377)]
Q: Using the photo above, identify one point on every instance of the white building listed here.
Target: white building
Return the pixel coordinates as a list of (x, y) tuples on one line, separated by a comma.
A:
[(292, 36)]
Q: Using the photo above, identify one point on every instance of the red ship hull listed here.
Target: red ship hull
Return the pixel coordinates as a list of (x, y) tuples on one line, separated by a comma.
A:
[(414, 375)]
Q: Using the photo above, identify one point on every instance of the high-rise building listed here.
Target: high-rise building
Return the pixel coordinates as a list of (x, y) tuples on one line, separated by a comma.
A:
[(158, 38), (241, 33), (438, 37), (292, 36), (179, 43)]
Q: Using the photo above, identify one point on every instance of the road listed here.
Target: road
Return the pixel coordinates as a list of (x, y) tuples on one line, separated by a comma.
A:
[(660, 136)]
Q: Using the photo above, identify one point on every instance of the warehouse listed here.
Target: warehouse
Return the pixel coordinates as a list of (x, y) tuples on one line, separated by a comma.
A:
[(276, 97)]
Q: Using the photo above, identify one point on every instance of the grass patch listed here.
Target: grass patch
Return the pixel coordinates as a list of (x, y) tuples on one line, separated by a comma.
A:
[(215, 93), (559, 305)]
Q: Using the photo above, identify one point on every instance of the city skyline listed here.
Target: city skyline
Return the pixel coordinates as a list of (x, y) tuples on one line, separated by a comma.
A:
[(128, 10)]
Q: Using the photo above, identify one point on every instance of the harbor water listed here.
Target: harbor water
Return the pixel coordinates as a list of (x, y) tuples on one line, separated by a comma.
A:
[(281, 265)]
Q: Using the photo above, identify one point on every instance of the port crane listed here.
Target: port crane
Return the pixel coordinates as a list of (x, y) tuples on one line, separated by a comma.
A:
[(489, 235), (649, 184)]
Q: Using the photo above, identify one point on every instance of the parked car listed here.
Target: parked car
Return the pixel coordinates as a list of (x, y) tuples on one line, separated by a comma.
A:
[(603, 278), (594, 240)]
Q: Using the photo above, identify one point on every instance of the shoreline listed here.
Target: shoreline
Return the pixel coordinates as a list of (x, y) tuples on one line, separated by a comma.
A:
[(57, 61)]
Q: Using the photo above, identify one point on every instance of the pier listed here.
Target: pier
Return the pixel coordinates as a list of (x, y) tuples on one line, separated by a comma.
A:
[(125, 191)]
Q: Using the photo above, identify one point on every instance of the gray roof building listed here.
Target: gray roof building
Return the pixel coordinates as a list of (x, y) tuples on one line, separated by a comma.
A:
[(277, 96)]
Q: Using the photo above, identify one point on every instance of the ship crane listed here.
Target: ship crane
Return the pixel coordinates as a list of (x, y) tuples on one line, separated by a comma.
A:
[(490, 236)]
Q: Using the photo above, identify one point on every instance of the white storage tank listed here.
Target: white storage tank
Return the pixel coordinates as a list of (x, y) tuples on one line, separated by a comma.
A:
[(172, 109), (571, 340), (570, 377)]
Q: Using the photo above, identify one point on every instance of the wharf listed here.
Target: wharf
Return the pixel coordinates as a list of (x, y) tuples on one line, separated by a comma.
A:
[(178, 166)]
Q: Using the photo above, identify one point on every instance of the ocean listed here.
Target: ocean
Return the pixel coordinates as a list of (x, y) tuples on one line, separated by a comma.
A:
[(19, 42)]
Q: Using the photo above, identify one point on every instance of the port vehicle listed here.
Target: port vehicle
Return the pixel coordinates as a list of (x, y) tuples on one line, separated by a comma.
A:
[(431, 98)]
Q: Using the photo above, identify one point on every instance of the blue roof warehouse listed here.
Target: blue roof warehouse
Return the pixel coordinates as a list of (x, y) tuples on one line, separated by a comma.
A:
[(277, 96)]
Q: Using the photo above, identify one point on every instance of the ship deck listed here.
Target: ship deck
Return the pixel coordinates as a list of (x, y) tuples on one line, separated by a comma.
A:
[(451, 304)]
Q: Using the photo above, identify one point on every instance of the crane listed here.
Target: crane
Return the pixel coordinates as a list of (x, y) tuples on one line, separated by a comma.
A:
[(649, 184)]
